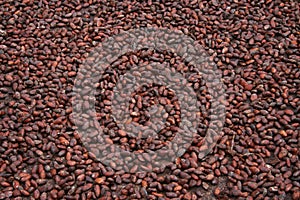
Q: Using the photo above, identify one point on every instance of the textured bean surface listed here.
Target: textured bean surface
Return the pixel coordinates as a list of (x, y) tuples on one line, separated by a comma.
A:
[(255, 44)]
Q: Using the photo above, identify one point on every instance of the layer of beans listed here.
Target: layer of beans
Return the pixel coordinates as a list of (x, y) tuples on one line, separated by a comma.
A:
[(255, 44)]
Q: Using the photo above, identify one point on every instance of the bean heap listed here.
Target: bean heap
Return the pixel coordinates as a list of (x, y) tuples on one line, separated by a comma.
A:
[(256, 45)]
